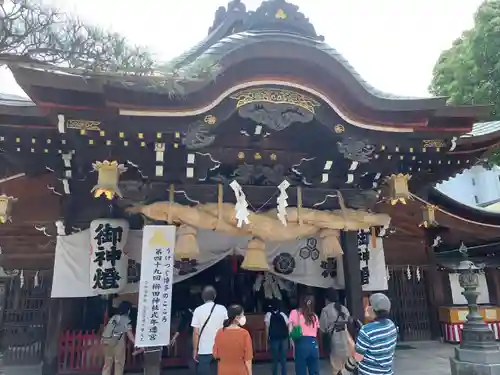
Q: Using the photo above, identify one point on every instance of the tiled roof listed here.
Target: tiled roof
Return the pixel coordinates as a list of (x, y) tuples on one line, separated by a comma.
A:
[(483, 128)]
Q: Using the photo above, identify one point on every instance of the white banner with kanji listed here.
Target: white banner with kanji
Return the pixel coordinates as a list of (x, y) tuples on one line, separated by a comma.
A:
[(108, 262), (298, 261), (155, 286)]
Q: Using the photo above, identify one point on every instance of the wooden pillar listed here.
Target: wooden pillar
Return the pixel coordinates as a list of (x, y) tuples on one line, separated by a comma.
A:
[(352, 274), (493, 280), (54, 329), (434, 286)]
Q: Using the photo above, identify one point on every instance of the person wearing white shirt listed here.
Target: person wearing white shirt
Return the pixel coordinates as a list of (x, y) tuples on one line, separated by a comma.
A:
[(207, 320)]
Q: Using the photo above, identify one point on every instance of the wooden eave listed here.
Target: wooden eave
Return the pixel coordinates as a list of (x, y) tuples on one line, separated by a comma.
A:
[(490, 219), (66, 92)]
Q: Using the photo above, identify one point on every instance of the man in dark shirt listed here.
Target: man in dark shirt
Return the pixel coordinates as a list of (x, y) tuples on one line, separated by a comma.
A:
[(186, 349)]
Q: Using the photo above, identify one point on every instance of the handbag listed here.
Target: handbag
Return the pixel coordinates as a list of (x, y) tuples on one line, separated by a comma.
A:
[(296, 332)]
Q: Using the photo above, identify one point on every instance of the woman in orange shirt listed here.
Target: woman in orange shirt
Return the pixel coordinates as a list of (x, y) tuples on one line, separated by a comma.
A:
[(233, 345)]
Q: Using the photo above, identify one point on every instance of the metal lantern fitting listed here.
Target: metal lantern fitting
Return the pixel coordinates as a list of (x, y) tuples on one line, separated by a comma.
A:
[(107, 181), (6, 208), (398, 188), (429, 216)]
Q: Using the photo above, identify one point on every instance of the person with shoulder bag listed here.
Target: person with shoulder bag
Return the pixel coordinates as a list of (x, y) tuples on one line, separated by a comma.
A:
[(113, 339), (304, 324), (334, 322), (207, 320)]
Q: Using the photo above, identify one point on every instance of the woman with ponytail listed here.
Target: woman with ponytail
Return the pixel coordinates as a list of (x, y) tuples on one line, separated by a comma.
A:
[(304, 324), (233, 345)]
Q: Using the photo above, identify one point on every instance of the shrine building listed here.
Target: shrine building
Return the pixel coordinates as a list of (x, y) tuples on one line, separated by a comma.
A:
[(282, 170)]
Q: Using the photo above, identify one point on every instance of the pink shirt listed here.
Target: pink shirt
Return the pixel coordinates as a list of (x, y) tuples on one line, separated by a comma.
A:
[(297, 318)]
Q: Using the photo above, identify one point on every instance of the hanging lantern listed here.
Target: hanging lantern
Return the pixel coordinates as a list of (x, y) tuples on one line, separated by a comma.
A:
[(429, 216), (398, 188), (107, 181), (255, 258), (186, 245), (329, 244), (6, 208)]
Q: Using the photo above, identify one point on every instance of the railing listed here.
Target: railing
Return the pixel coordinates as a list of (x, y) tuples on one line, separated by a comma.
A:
[(81, 352)]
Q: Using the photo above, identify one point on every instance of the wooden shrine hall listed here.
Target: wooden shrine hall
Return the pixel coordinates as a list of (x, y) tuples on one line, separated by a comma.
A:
[(261, 121)]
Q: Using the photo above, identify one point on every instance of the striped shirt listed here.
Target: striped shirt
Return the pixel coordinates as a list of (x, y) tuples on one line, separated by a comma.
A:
[(377, 343)]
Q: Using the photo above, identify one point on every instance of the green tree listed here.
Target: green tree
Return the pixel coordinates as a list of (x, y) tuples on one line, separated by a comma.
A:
[(469, 72), (34, 31)]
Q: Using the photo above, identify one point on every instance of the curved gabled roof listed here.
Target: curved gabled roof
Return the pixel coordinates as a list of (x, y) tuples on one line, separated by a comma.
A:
[(282, 21)]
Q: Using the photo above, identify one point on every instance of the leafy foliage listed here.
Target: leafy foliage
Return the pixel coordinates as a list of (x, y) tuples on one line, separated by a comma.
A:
[(469, 72), (34, 31)]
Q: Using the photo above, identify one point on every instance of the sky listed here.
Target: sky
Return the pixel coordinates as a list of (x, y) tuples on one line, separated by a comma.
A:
[(393, 44)]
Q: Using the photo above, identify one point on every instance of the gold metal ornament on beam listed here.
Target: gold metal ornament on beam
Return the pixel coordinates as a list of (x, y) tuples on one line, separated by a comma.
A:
[(429, 216), (6, 208), (107, 181), (186, 246), (398, 188), (256, 257)]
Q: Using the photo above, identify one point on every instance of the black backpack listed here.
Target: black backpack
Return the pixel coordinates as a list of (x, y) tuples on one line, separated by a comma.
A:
[(278, 329)]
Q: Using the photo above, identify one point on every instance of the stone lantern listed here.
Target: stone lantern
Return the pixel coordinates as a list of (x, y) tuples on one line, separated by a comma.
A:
[(478, 352)]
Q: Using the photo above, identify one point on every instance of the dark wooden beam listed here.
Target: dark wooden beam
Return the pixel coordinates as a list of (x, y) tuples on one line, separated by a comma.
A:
[(352, 274)]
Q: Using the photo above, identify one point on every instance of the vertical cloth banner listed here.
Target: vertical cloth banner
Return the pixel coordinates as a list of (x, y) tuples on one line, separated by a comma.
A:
[(108, 262), (155, 286)]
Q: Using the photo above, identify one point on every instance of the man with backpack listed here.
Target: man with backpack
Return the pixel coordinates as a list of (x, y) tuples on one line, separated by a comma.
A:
[(113, 339), (276, 323), (334, 322)]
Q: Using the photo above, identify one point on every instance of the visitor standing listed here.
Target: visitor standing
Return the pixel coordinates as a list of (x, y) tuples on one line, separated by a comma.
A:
[(376, 341), (186, 347), (114, 339), (333, 323), (207, 320), (304, 324), (276, 323), (233, 345)]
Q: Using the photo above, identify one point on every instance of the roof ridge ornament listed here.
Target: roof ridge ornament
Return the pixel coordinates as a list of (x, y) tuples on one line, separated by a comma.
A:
[(271, 15), (280, 15)]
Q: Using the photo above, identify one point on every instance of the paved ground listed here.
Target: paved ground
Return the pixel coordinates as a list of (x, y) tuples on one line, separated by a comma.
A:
[(426, 358)]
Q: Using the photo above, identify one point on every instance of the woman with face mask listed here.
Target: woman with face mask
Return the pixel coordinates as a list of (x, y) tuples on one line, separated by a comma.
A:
[(233, 345)]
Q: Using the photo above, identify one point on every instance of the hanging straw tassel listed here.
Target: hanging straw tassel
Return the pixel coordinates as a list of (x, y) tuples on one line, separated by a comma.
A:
[(220, 201), (255, 258), (186, 245), (171, 197), (299, 204), (374, 237), (329, 244)]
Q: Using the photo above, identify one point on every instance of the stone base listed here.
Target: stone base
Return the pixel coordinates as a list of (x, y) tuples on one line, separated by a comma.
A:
[(475, 362), (23, 370)]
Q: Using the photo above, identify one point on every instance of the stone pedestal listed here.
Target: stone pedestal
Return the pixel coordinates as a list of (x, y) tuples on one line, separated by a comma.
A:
[(479, 353), (475, 362)]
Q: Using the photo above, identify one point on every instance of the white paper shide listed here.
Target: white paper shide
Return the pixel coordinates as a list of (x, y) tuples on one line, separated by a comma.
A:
[(108, 262), (155, 287)]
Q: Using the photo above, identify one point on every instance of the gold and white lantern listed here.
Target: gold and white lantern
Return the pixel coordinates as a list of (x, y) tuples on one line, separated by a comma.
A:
[(107, 181)]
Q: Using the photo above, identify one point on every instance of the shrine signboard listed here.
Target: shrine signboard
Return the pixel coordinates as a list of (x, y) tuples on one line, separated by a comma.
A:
[(108, 262), (155, 287)]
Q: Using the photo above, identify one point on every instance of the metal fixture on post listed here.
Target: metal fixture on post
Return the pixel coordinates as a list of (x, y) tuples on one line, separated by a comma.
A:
[(478, 351)]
